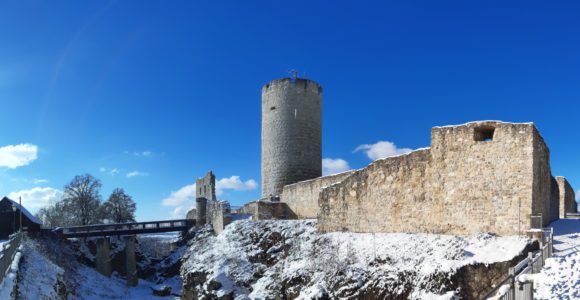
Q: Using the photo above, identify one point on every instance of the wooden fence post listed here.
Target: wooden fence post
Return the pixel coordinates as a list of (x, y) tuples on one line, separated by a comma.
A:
[(512, 274)]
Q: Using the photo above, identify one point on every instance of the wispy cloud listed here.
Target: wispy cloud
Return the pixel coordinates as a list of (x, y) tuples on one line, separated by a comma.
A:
[(39, 181), (146, 153), (234, 183), (14, 156), (111, 171), (37, 197), (333, 166), (136, 174), (381, 149)]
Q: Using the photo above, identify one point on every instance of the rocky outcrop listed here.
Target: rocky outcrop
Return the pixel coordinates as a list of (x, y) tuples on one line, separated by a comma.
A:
[(286, 259)]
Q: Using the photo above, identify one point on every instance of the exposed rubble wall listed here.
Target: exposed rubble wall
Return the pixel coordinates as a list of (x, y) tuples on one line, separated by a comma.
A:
[(302, 197), (543, 201), (217, 215), (267, 210), (567, 197), (485, 176)]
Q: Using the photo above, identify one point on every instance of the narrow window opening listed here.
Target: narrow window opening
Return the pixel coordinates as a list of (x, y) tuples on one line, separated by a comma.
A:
[(273, 108), (483, 134)]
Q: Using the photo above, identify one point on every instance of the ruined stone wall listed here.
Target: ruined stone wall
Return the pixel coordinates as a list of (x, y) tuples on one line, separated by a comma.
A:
[(567, 197), (387, 196), (477, 177), (302, 197), (484, 185), (217, 215), (542, 200), (291, 133), (205, 187), (554, 199), (267, 210)]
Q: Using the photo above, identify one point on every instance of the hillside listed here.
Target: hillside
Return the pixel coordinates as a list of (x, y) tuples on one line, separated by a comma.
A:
[(289, 259)]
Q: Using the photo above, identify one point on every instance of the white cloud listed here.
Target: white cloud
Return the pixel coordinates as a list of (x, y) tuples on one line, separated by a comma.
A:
[(136, 174), (578, 196), (382, 149), (39, 181), (182, 196), (181, 211), (234, 183), (112, 172), (333, 166), (183, 199), (37, 197), (14, 156), (146, 153)]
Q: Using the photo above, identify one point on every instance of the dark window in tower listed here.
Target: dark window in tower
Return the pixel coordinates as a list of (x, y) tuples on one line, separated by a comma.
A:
[(273, 108), (483, 134)]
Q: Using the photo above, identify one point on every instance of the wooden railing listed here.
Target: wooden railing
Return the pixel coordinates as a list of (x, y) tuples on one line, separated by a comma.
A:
[(517, 285), (7, 253), (125, 228)]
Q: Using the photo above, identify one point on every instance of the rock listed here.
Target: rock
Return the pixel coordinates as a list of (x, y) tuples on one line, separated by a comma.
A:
[(161, 290)]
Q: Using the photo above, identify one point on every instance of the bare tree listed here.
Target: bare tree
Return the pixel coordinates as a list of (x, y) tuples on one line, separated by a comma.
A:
[(119, 208), (82, 200)]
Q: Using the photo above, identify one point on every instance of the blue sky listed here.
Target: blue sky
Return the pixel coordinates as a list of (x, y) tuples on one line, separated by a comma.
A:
[(167, 90)]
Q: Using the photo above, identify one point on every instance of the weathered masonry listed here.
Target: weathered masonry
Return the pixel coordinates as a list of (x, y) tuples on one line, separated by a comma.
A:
[(567, 197), (291, 133), (486, 176), (209, 210)]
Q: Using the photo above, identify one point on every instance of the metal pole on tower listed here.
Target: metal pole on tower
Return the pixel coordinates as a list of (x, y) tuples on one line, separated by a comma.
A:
[(20, 213)]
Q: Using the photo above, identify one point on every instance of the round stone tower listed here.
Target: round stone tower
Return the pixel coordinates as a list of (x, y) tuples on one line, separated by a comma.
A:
[(291, 133)]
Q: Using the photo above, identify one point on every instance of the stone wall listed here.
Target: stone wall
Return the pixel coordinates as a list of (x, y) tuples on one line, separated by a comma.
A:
[(191, 214), (302, 197), (205, 187), (567, 197), (485, 176), (217, 215), (267, 210), (542, 200), (291, 133)]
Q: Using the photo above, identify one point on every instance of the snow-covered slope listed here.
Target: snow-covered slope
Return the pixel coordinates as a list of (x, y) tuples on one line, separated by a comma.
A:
[(49, 271), (271, 259), (560, 277)]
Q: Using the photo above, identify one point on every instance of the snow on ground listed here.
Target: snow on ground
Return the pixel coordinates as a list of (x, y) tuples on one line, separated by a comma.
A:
[(41, 278), (560, 277), (386, 261), (157, 245), (38, 275), (7, 285)]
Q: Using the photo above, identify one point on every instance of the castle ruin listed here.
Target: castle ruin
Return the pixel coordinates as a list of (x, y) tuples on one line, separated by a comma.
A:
[(486, 176), (208, 209), (291, 133)]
